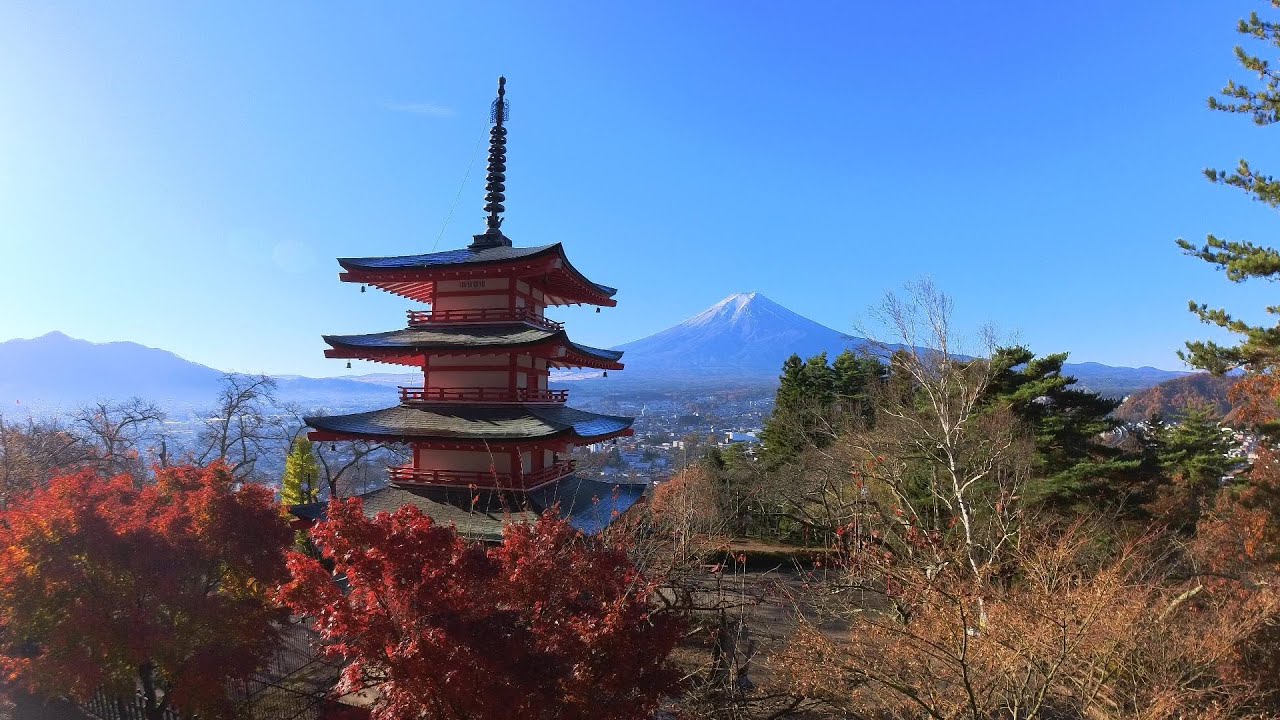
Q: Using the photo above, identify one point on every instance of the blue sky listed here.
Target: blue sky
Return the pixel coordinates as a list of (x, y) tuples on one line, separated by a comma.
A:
[(183, 174)]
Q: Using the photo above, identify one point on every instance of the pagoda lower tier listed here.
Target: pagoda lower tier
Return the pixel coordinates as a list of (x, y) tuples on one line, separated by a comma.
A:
[(475, 424), (587, 505), (516, 447)]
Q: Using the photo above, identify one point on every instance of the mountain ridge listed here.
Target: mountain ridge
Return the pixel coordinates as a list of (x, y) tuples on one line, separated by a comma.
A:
[(743, 338), (55, 370)]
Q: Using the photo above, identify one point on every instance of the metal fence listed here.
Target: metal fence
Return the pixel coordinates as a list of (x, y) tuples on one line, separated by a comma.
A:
[(109, 707)]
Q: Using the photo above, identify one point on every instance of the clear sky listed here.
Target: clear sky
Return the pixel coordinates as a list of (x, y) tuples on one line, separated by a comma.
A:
[(183, 174)]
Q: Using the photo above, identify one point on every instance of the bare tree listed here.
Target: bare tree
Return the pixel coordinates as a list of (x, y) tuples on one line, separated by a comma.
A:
[(681, 538), (350, 467), (32, 451), (357, 466), (122, 437), (246, 424), (932, 430)]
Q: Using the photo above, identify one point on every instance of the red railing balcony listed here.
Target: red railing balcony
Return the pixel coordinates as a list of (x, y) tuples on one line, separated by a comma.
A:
[(481, 395), (481, 478), (418, 318)]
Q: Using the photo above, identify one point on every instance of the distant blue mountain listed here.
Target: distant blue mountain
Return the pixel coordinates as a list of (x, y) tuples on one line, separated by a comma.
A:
[(55, 371), (1119, 382)]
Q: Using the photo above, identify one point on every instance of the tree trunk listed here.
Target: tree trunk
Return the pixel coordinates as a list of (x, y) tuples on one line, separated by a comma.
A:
[(153, 707)]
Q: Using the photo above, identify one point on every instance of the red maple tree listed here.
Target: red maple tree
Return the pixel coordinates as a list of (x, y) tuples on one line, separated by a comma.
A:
[(548, 624), (163, 589)]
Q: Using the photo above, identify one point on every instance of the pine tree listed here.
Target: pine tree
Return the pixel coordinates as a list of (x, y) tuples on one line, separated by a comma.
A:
[(1259, 347), (856, 378), (785, 431), (301, 482), (1195, 449), (819, 380), (816, 400), (1071, 463)]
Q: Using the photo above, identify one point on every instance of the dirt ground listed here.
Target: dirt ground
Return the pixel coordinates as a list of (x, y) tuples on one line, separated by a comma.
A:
[(762, 609)]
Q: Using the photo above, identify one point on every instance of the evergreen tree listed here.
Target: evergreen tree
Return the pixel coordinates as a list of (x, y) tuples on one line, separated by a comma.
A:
[(301, 482), (856, 378), (819, 381), (1195, 449), (816, 400), (736, 458), (1258, 350), (785, 431), (713, 460), (791, 383), (1071, 463)]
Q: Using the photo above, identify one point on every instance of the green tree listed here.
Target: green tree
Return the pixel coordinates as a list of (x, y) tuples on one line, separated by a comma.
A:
[(856, 379), (787, 430), (301, 482), (1195, 449), (816, 400), (735, 457), (1071, 462), (713, 460), (1258, 349), (819, 381)]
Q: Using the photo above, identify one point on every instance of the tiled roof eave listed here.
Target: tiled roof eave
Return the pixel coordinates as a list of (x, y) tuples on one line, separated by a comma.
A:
[(386, 345), (588, 505), (381, 271), (471, 423)]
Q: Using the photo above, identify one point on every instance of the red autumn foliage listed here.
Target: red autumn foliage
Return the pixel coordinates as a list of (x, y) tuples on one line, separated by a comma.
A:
[(548, 624), (164, 587)]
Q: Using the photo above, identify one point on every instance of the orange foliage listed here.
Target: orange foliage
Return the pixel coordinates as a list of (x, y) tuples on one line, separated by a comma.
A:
[(1074, 637), (1254, 398)]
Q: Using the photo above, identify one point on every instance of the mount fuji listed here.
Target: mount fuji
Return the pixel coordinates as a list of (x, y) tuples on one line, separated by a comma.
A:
[(745, 335)]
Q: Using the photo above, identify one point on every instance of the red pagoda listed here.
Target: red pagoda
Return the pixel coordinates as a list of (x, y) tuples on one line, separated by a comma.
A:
[(490, 440)]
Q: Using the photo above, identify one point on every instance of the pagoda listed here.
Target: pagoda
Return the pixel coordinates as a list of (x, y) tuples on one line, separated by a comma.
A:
[(489, 440)]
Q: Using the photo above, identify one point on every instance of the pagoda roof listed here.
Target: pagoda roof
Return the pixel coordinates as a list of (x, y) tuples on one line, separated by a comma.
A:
[(406, 346), (472, 422), (414, 276), (589, 505), (463, 256)]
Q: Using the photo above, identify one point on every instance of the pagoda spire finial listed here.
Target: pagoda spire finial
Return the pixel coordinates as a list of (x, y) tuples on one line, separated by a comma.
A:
[(495, 181)]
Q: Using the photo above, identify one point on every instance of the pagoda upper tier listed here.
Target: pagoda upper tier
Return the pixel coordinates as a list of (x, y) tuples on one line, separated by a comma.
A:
[(417, 277), (413, 345)]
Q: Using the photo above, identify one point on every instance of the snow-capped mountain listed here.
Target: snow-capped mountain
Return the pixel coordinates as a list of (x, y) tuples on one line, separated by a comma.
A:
[(745, 334)]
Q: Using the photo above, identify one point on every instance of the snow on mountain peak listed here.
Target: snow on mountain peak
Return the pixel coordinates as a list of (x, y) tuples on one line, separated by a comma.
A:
[(744, 332)]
